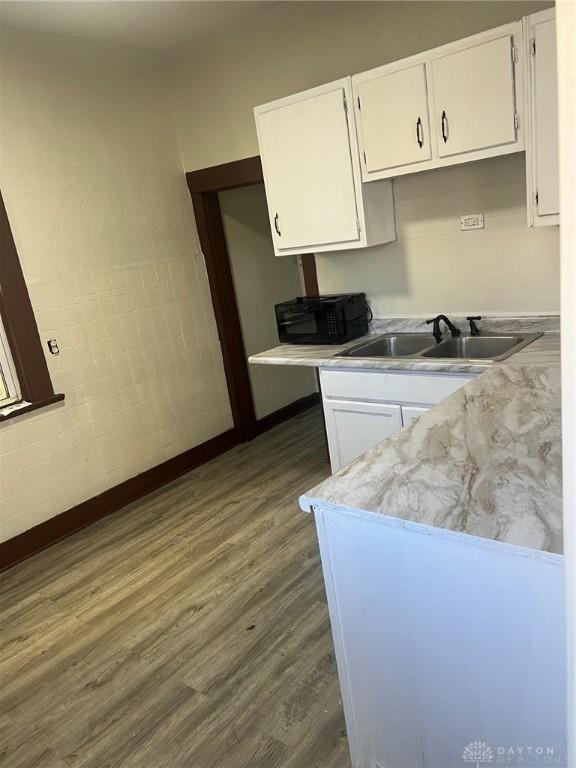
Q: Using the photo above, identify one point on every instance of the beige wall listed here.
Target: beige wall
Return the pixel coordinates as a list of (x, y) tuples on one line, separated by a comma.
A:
[(434, 267), (261, 280), (505, 268), (94, 189)]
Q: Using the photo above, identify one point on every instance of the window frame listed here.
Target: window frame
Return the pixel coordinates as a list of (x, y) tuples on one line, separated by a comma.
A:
[(8, 377), (24, 348)]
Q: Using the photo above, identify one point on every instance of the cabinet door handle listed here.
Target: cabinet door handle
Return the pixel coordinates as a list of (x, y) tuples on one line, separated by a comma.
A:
[(444, 126), (276, 227), (419, 133)]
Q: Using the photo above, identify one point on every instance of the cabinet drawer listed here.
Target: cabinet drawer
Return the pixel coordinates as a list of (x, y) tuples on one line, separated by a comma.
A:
[(383, 386)]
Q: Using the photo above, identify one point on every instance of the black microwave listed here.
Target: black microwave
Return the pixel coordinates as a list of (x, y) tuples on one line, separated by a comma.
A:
[(323, 319)]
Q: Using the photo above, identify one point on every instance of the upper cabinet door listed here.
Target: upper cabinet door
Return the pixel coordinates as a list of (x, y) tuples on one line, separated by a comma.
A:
[(542, 170), (392, 114), (306, 156), (461, 102), (316, 199), (475, 98), (546, 118)]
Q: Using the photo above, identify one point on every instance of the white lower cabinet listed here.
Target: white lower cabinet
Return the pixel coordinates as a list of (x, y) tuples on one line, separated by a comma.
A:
[(412, 412), (355, 427), (426, 631), (363, 408)]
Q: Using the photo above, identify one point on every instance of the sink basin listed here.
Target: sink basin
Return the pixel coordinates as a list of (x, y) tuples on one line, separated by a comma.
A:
[(391, 345), (483, 347), (486, 346)]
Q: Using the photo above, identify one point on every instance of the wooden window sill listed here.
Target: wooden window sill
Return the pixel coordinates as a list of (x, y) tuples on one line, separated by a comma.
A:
[(12, 411)]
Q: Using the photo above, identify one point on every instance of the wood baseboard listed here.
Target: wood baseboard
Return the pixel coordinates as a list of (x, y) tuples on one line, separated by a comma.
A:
[(72, 520), (82, 515), (288, 412)]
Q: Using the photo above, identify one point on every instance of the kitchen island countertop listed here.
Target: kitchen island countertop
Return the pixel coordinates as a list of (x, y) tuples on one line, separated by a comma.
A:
[(485, 461)]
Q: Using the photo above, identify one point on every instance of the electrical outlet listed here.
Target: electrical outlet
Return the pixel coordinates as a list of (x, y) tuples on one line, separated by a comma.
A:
[(471, 221)]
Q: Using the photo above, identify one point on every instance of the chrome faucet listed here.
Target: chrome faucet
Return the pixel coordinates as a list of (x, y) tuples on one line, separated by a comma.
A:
[(436, 332)]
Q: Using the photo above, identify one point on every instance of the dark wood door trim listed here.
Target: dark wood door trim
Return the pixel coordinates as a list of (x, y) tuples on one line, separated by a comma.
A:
[(213, 244), (218, 178), (310, 275), (204, 186)]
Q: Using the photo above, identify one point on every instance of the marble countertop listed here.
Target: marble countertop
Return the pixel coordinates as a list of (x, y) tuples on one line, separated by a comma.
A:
[(485, 462), (544, 351)]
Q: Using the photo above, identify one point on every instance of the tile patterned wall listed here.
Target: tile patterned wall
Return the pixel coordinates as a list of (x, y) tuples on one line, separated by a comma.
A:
[(141, 368), (96, 195)]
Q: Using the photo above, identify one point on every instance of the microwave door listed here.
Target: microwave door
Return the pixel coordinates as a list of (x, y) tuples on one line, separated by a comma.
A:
[(299, 323)]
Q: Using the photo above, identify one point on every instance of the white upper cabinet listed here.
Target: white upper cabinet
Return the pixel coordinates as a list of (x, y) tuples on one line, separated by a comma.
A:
[(474, 98), (461, 102), (392, 109), (306, 149), (316, 199), (542, 172)]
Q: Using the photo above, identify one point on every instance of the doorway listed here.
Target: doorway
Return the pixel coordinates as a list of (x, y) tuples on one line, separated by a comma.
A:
[(261, 280), (246, 280)]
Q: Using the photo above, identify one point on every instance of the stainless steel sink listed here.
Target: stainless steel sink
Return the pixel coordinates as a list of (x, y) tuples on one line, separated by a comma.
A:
[(391, 345), (484, 347)]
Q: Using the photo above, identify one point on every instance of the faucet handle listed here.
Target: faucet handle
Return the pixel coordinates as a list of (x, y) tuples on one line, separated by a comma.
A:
[(436, 332), (474, 330)]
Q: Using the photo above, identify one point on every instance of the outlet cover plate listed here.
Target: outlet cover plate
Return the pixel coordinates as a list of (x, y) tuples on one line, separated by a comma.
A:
[(471, 221)]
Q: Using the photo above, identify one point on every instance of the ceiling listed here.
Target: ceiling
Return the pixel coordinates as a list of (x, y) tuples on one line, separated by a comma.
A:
[(150, 24)]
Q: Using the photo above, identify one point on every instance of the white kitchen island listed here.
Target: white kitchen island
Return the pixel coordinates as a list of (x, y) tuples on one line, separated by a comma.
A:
[(441, 550)]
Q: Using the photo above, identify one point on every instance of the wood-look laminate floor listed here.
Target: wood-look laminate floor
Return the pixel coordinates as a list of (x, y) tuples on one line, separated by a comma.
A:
[(189, 630)]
